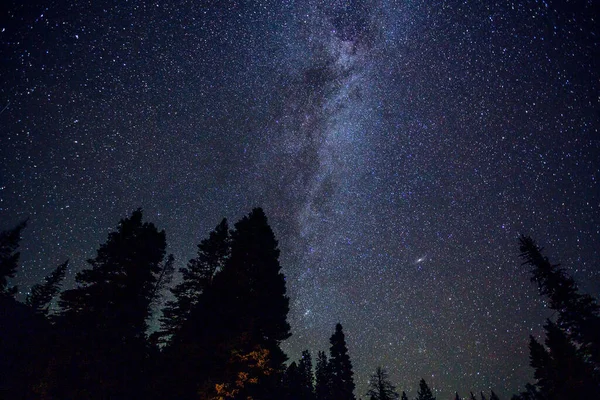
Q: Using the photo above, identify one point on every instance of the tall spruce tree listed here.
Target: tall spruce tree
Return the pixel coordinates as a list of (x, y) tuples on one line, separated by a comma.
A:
[(323, 377), (9, 257), (255, 286), (305, 372), (342, 376), (114, 296), (380, 387), (404, 396), (578, 314), (569, 364), (456, 396), (196, 277), (243, 312), (292, 382), (493, 396), (42, 293), (424, 392), (105, 316)]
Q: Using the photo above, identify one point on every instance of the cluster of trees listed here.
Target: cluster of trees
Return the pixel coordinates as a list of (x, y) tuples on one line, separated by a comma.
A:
[(220, 333), (219, 338)]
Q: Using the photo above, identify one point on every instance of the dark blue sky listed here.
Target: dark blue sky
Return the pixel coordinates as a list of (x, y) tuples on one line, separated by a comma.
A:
[(398, 149)]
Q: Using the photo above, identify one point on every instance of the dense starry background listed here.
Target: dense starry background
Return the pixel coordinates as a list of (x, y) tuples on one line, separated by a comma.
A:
[(398, 148)]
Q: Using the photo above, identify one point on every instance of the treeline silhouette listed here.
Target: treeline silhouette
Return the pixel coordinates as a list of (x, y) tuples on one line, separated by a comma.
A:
[(220, 334)]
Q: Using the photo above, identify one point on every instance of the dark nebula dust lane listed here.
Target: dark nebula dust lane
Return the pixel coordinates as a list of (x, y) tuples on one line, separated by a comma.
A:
[(398, 149)]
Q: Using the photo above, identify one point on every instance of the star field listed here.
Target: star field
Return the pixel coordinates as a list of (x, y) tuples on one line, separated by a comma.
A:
[(398, 149)]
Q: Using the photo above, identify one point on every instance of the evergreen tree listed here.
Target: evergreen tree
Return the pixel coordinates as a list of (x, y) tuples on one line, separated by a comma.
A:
[(569, 363), (197, 276), (115, 294), (305, 372), (342, 381), (473, 396), (482, 396), (323, 377), (292, 382), (578, 314), (493, 396), (9, 257), (243, 312), (456, 397), (42, 293), (404, 396), (560, 371), (380, 387), (105, 317), (252, 292), (424, 392)]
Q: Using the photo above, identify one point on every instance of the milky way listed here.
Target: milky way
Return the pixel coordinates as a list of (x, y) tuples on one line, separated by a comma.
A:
[(398, 149)]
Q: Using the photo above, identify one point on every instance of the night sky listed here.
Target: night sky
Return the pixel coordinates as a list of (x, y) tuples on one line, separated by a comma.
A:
[(398, 148)]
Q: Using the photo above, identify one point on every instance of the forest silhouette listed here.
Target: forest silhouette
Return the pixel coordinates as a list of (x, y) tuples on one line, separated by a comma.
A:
[(220, 334)]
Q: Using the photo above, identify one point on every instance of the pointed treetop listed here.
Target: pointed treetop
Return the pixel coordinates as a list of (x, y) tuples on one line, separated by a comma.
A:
[(424, 392)]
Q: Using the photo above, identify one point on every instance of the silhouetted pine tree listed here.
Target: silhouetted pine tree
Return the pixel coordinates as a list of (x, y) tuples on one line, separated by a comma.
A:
[(342, 381), (9, 257), (404, 396), (560, 371), (473, 396), (212, 254), (323, 377), (380, 387), (424, 392), (482, 396), (243, 312), (255, 296), (42, 293), (493, 396), (456, 397), (305, 372), (569, 364), (104, 318), (292, 385), (578, 314)]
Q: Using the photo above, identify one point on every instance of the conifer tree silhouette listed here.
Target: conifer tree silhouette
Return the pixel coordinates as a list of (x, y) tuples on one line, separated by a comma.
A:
[(323, 377), (305, 372), (243, 313), (342, 376), (104, 319), (212, 254), (569, 364), (424, 392)]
